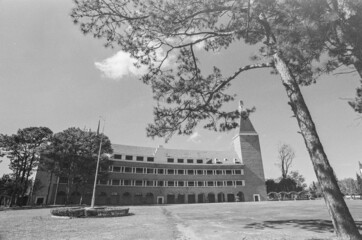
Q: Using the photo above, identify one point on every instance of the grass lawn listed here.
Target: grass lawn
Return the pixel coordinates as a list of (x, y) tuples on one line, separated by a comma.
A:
[(262, 220)]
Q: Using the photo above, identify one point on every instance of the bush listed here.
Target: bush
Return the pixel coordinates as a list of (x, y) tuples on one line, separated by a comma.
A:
[(107, 212), (90, 212), (68, 212)]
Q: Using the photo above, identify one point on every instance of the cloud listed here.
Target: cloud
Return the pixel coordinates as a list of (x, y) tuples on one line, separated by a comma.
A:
[(119, 66), (122, 64), (195, 137)]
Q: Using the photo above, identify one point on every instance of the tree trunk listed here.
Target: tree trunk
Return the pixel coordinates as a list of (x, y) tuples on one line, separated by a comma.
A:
[(48, 191), (56, 192), (15, 188), (28, 170), (344, 225), (67, 191)]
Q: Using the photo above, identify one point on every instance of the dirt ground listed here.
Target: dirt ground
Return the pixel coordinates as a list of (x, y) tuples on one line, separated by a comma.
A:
[(242, 221)]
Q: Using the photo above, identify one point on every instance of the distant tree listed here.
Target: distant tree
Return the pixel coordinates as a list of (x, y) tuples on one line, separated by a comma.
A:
[(287, 185), (359, 183), (286, 156), (73, 154), (271, 186), (23, 149), (153, 32), (293, 182), (348, 186), (6, 185), (298, 179), (315, 190)]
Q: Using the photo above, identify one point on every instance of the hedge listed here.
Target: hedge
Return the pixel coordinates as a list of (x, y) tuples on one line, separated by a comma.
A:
[(68, 212), (90, 212)]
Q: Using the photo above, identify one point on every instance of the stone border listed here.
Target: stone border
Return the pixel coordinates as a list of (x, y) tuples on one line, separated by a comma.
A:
[(77, 212)]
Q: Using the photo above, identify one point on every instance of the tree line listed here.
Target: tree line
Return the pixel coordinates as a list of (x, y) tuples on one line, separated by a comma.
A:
[(70, 155)]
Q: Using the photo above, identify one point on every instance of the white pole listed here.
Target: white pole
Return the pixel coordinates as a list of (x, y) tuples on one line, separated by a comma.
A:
[(96, 176)]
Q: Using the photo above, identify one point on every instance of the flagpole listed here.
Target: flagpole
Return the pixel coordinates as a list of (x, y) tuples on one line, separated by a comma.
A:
[(99, 156)]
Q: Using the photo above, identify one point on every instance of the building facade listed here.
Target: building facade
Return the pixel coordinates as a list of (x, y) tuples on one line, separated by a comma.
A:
[(144, 175)]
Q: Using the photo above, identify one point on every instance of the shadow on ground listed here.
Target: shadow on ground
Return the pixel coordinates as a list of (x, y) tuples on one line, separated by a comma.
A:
[(315, 225)]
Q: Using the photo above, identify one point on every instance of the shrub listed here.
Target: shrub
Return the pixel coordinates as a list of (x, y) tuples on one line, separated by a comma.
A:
[(68, 212), (107, 212)]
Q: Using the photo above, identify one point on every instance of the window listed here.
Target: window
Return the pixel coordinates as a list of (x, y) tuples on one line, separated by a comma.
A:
[(238, 172), (127, 169), (170, 171), (127, 182), (139, 170), (199, 161), (150, 159), (191, 183), (181, 183), (229, 183), (180, 172), (160, 183), (139, 158), (228, 172), (102, 181), (129, 157), (190, 161), (115, 181), (160, 171), (149, 170), (138, 182), (240, 183), (210, 183), (190, 172), (237, 161), (200, 172), (218, 172), (149, 183), (117, 156), (219, 183), (171, 183), (180, 160), (116, 169), (200, 184), (209, 172), (170, 160)]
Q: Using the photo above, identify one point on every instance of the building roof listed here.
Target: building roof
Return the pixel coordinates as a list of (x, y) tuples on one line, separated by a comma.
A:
[(223, 156)]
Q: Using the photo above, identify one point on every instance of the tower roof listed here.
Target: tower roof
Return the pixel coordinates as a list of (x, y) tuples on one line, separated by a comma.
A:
[(245, 125)]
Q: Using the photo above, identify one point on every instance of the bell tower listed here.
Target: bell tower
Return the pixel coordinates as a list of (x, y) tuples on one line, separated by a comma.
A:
[(247, 146)]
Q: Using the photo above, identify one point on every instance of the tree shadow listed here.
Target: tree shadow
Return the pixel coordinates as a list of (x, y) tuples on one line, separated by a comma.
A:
[(315, 225)]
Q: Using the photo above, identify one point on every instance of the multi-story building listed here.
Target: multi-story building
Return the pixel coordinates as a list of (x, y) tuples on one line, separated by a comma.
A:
[(145, 175)]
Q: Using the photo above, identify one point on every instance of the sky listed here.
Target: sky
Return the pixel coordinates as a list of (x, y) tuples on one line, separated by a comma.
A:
[(52, 75)]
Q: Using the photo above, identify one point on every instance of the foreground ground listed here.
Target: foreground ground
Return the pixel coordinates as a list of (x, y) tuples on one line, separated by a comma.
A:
[(245, 221)]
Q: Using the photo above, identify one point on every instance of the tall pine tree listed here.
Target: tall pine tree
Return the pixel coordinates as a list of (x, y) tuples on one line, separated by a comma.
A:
[(157, 32)]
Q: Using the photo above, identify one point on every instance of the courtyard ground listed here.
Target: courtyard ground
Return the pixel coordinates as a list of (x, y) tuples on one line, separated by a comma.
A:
[(243, 221)]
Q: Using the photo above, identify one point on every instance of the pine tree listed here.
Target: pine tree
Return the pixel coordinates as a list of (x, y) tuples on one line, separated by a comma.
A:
[(152, 32)]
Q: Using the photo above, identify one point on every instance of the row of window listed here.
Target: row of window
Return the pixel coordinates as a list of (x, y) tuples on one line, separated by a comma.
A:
[(173, 160), (130, 157), (144, 170), (156, 183)]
